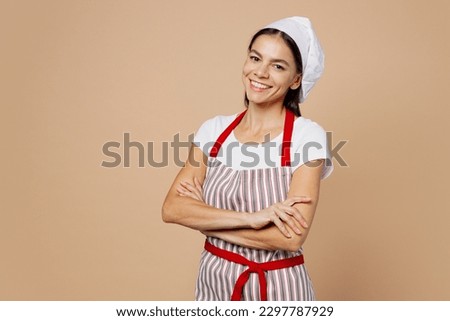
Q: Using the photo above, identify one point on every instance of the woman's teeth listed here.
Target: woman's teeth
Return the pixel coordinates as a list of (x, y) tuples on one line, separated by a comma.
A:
[(259, 85)]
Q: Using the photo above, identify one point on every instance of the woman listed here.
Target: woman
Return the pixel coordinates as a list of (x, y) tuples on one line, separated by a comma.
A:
[(255, 198)]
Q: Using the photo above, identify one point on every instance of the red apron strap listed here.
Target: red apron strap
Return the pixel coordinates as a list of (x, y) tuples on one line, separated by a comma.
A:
[(287, 136), (253, 267), (215, 149)]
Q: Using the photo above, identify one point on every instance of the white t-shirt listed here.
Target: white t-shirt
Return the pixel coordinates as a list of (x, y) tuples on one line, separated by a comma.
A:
[(309, 142)]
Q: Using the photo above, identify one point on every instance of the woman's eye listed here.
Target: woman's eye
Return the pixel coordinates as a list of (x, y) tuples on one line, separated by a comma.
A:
[(279, 67), (254, 58)]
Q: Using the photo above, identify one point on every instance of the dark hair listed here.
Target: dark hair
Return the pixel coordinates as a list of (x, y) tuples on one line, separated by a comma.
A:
[(291, 100)]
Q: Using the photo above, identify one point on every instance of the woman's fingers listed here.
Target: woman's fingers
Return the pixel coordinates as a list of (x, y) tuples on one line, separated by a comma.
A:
[(192, 189), (184, 192), (291, 210), (278, 223), (284, 214), (298, 199), (188, 189), (198, 186), (286, 218)]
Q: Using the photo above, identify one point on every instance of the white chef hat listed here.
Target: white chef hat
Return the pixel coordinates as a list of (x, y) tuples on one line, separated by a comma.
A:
[(302, 32)]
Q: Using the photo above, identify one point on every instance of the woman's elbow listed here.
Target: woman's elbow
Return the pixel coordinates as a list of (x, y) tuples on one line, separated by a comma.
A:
[(292, 247), (167, 212), (294, 243)]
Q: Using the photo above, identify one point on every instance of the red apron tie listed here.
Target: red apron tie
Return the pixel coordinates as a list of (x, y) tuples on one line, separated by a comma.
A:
[(253, 267)]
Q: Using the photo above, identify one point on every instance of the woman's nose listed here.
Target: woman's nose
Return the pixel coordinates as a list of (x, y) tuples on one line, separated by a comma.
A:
[(261, 71)]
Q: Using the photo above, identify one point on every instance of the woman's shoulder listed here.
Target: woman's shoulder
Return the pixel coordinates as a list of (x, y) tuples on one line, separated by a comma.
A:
[(305, 126), (219, 121), (310, 142), (211, 127)]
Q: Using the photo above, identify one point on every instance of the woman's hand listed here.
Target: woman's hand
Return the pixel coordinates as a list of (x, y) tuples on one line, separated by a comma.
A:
[(280, 214), (194, 191)]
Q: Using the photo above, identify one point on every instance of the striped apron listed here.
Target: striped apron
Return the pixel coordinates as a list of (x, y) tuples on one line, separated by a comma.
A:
[(231, 272)]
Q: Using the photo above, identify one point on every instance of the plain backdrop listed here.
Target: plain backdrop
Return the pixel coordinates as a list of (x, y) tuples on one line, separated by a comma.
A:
[(75, 75)]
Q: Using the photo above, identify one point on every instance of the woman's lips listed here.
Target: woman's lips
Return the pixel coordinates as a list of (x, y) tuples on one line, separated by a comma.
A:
[(258, 86)]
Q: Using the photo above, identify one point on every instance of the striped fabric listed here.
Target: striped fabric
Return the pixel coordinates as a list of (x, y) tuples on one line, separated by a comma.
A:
[(250, 191)]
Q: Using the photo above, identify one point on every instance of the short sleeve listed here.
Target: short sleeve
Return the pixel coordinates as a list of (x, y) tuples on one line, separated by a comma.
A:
[(204, 135), (310, 143), (209, 131)]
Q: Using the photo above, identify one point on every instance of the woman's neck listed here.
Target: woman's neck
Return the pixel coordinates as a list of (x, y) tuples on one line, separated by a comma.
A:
[(259, 118), (260, 121)]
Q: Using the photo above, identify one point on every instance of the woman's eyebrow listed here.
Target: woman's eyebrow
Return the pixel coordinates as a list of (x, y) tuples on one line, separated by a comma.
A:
[(273, 60)]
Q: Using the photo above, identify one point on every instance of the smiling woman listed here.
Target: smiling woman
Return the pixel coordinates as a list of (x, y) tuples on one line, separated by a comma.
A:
[(256, 219), (291, 99), (267, 77)]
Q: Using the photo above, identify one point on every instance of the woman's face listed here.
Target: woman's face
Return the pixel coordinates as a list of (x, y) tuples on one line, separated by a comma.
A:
[(269, 71)]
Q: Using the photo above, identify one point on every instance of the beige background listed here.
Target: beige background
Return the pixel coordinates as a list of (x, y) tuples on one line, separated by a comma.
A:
[(77, 74)]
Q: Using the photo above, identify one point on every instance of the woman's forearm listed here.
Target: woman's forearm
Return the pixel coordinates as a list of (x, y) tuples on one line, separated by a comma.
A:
[(305, 181), (197, 215), (193, 212), (268, 238)]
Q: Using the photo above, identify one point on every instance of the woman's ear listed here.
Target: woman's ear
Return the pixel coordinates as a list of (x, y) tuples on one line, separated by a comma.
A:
[(297, 82)]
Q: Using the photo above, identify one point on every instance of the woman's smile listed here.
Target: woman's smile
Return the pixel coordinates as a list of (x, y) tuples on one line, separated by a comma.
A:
[(257, 86)]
